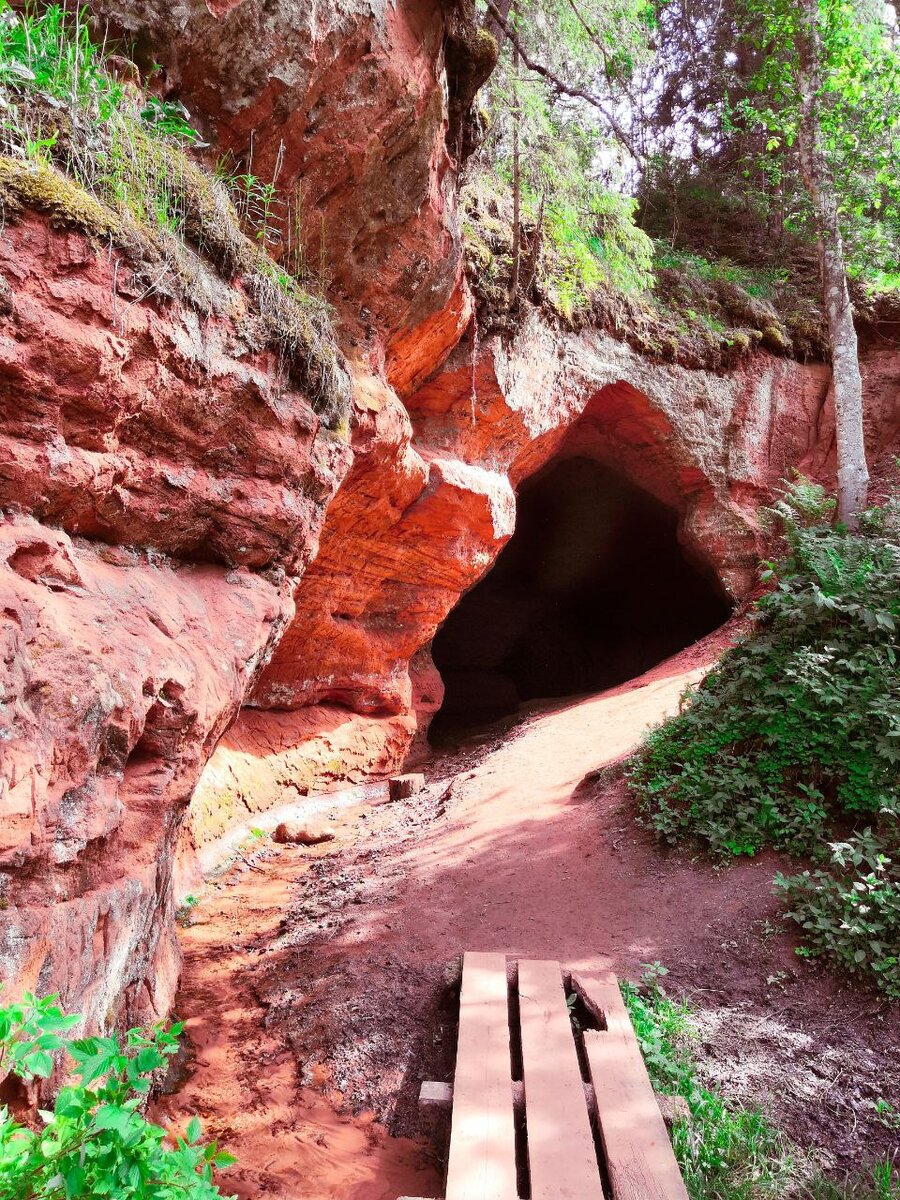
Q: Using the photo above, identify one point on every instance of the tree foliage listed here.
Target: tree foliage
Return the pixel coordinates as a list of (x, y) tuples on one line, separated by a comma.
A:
[(858, 112), (568, 122), (670, 99)]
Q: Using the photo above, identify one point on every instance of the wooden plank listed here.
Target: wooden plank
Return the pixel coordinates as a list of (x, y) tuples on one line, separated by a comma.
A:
[(435, 1095), (639, 1157), (600, 992), (482, 1160), (562, 1159)]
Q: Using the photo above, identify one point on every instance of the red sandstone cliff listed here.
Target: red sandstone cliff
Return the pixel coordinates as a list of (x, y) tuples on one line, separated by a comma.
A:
[(182, 545)]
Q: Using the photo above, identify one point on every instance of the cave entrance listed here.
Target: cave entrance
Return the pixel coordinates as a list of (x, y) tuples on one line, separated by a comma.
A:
[(593, 588)]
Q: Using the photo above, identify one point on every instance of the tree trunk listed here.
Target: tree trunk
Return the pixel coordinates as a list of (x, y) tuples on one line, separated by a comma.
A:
[(516, 182), (491, 23), (853, 473)]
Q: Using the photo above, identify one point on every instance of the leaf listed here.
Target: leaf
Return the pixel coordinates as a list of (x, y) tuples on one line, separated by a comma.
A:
[(193, 1130), (39, 1062), (113, 1117), (74, 1181)]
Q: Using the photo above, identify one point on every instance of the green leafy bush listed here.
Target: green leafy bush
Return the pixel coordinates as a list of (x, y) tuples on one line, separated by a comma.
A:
[(850, 912), (95, 1141), (799, 725), (793, 739)]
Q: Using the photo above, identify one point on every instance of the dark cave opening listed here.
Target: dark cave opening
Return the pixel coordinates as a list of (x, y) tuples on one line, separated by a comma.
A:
[(592, 589)]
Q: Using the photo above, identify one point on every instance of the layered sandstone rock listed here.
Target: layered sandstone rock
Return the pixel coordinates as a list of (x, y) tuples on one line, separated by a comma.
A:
[(430, 503), (152, 425), (352, 109), (410, 530), (120, 671), (180, 480), (163, 462)]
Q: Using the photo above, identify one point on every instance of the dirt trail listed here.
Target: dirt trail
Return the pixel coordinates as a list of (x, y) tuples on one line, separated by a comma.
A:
[(324, 976), (241, 1078)]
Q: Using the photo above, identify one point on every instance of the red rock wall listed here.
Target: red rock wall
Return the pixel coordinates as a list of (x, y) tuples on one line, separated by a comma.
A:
[(151, 467), (429, 504), (170, 552), (346, 103), (162, 489)]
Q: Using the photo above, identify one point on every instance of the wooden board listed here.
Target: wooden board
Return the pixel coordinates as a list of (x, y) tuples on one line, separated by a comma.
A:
[(562, 1158), (482, 1161), (639, 1157)]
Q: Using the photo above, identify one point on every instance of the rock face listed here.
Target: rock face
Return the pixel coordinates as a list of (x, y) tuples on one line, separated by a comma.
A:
[(163, 488), (196, 579), (163, 464), (430, 501), (120, 671), (131, 424), (346, 105)]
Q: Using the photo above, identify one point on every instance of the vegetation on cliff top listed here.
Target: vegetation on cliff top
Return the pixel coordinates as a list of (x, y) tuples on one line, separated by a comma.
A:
[(81, 141), (594, 103), (793, 740), (669, 304)]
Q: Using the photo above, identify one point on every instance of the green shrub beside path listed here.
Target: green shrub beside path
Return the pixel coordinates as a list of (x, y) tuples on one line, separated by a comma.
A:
[(793, 740)]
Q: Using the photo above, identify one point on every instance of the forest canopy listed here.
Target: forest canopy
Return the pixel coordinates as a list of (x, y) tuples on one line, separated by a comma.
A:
[(684, 115), (759, 133)]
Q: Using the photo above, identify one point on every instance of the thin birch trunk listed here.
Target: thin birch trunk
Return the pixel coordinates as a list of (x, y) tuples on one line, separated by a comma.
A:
[(853, 473), (517, 181)]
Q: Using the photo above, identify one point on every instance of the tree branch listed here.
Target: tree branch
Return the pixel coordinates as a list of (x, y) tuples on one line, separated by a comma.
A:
[(559, 85)]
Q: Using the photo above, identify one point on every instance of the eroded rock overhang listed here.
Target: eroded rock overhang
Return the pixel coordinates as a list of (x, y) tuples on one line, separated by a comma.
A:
[(430, 504)]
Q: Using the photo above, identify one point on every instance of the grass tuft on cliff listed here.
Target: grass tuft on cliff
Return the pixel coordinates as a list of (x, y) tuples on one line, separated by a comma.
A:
[(81, 141)]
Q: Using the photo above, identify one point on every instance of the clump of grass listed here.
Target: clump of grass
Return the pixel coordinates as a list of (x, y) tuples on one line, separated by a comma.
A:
[(727, 1150), (80, 140), (763, 304)]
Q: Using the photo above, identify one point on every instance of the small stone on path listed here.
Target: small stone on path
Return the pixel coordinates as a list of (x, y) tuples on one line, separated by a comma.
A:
[(304, 835)]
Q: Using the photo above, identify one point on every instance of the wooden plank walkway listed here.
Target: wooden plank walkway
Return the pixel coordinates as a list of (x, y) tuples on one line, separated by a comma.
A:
[(562, 1160), (636, 1144), (599, 1140), (482, 1163)]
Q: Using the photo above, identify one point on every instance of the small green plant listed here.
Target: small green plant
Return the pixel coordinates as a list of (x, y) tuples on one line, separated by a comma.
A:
[(849, 912), (95, 1142), (184, 911), (888, 1114)]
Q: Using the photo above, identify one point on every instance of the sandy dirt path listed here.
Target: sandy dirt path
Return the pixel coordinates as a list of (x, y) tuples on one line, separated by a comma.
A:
[(324, 977)]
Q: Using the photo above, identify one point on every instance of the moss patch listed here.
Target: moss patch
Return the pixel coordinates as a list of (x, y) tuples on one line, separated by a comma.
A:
[(98, 154), (284, 317)]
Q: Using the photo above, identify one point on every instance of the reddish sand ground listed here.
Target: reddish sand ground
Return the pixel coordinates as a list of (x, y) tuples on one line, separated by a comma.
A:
[(325, 964), (291, 1141)]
